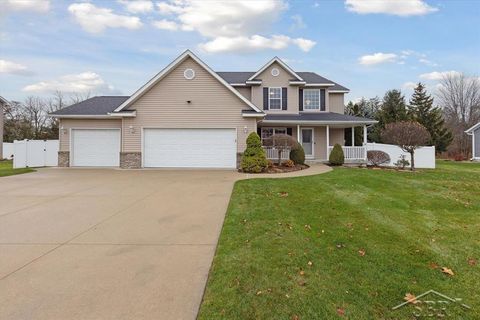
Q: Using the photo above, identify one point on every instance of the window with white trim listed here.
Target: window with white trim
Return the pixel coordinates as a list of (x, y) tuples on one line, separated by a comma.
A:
[(275, 98), (268, 132), (311, 99)]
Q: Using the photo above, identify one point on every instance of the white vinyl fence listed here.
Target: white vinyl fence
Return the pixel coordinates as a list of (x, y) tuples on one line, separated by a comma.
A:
[(7, 150), (35, 153), (424, 156)]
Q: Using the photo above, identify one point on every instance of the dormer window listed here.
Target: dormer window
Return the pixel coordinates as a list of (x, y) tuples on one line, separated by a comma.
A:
[(275, 98)]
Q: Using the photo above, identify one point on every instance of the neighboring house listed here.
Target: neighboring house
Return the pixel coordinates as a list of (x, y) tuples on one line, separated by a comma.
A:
[(191, 116), (3, 103), (475, 133)]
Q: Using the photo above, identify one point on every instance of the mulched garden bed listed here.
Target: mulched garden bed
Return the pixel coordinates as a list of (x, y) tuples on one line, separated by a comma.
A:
[(282, 169)]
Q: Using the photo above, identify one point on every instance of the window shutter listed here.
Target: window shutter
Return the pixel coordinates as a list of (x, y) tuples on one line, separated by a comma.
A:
[(259, 132), (300, 99), (289, 131), (284, 99), (265, 98), (322, 99)]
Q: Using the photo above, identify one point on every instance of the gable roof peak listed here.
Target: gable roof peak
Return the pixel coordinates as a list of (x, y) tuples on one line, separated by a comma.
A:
[(279, 61)]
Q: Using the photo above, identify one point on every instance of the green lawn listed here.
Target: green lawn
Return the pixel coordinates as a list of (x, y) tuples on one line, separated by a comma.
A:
[(408, 224), (6, 169)]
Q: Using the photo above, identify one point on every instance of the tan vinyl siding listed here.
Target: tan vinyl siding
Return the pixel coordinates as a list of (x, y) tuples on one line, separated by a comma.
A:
[(336, 102), (282, 80), (337, 135), (68, 124), (246, 92), (165, 106)]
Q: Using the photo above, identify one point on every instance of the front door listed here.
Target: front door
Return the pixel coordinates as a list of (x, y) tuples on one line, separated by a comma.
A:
[(307, 141)]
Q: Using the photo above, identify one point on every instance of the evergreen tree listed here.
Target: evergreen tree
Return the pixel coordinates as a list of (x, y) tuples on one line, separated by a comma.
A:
[(393, 109), (421, 109)]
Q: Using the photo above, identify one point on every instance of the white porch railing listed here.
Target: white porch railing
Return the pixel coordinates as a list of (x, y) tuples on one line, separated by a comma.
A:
[(272, 153), (352, 153)]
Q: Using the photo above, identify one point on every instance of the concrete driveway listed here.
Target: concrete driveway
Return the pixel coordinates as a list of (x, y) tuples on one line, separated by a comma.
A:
[(108, 244)]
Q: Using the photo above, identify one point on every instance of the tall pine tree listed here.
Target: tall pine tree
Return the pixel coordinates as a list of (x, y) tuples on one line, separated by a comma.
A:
[(393, 109), (421, 109)]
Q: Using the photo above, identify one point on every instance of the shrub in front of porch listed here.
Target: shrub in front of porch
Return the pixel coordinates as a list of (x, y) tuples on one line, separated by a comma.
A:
[(336, 157), (377, 157), (297, 154), (254, 159)]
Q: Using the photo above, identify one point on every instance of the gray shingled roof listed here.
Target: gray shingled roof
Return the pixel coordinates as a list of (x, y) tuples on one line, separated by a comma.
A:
[(309, 77), (96, 106), (317, 117)]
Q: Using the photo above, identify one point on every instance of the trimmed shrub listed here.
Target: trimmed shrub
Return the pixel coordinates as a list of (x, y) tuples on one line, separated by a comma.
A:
[(297, 154), (336, 156), (254, 160), (377, 157), (288, 163)]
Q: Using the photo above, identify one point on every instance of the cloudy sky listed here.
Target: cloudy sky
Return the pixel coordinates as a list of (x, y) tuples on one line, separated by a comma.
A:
[(113, 47)]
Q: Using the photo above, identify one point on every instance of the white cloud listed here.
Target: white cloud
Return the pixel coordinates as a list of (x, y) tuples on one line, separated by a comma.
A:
[(409, 85), (81, 83), (137, 6), (166, 25), (234, 25), (298, 22), (24, 5), (377, 58), (427, 62), (436, 75), (254, 43), (13, 68), (403, 8), (95, 20)]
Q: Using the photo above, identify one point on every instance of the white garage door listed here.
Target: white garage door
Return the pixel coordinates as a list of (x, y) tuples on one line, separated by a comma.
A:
[(95, 147), (190, 148)]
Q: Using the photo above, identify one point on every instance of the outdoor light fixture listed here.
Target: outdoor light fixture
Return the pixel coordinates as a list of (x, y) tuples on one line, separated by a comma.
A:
[(245, 129), (132, 129), (63, 130)]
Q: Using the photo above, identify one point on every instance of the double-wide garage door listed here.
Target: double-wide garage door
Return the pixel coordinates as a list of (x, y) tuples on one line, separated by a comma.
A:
[(95, 147), (189, 148)]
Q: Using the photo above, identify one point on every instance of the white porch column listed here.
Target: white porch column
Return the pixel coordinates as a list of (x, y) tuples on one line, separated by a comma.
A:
[(365, 142), (328, 140), (298, 133), (365, 135), (353, 136)]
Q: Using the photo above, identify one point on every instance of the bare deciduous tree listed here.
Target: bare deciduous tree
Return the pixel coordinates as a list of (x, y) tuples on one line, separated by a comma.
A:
[(408, 135), (35, 111), (459, 97), (281, 142)]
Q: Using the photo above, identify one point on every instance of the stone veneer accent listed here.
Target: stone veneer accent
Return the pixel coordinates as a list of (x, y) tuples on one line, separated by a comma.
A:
[(63, 158), (130, 160)]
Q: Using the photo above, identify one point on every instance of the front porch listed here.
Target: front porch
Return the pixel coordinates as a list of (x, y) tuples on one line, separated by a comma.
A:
[(318, 141)]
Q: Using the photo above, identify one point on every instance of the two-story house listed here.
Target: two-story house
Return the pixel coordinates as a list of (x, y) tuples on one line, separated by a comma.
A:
[(191, 116)]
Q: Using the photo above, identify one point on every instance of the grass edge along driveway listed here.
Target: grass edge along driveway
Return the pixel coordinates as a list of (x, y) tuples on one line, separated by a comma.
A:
[(350, 243), (6, 169)]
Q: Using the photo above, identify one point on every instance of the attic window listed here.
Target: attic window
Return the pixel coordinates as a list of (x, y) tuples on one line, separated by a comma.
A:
[(275, 72), (189, 74)]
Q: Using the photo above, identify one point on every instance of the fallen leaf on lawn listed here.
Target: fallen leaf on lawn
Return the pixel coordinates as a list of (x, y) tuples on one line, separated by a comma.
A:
[(301, 282), (433, 265), (307, 227), (361, 252), (341, 311), (287, 296), (472, 261), (283, 194), (295, 317), (410, 298), (340, 245), (259, 293), (447, 271), (302, 273), (310, 263)]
